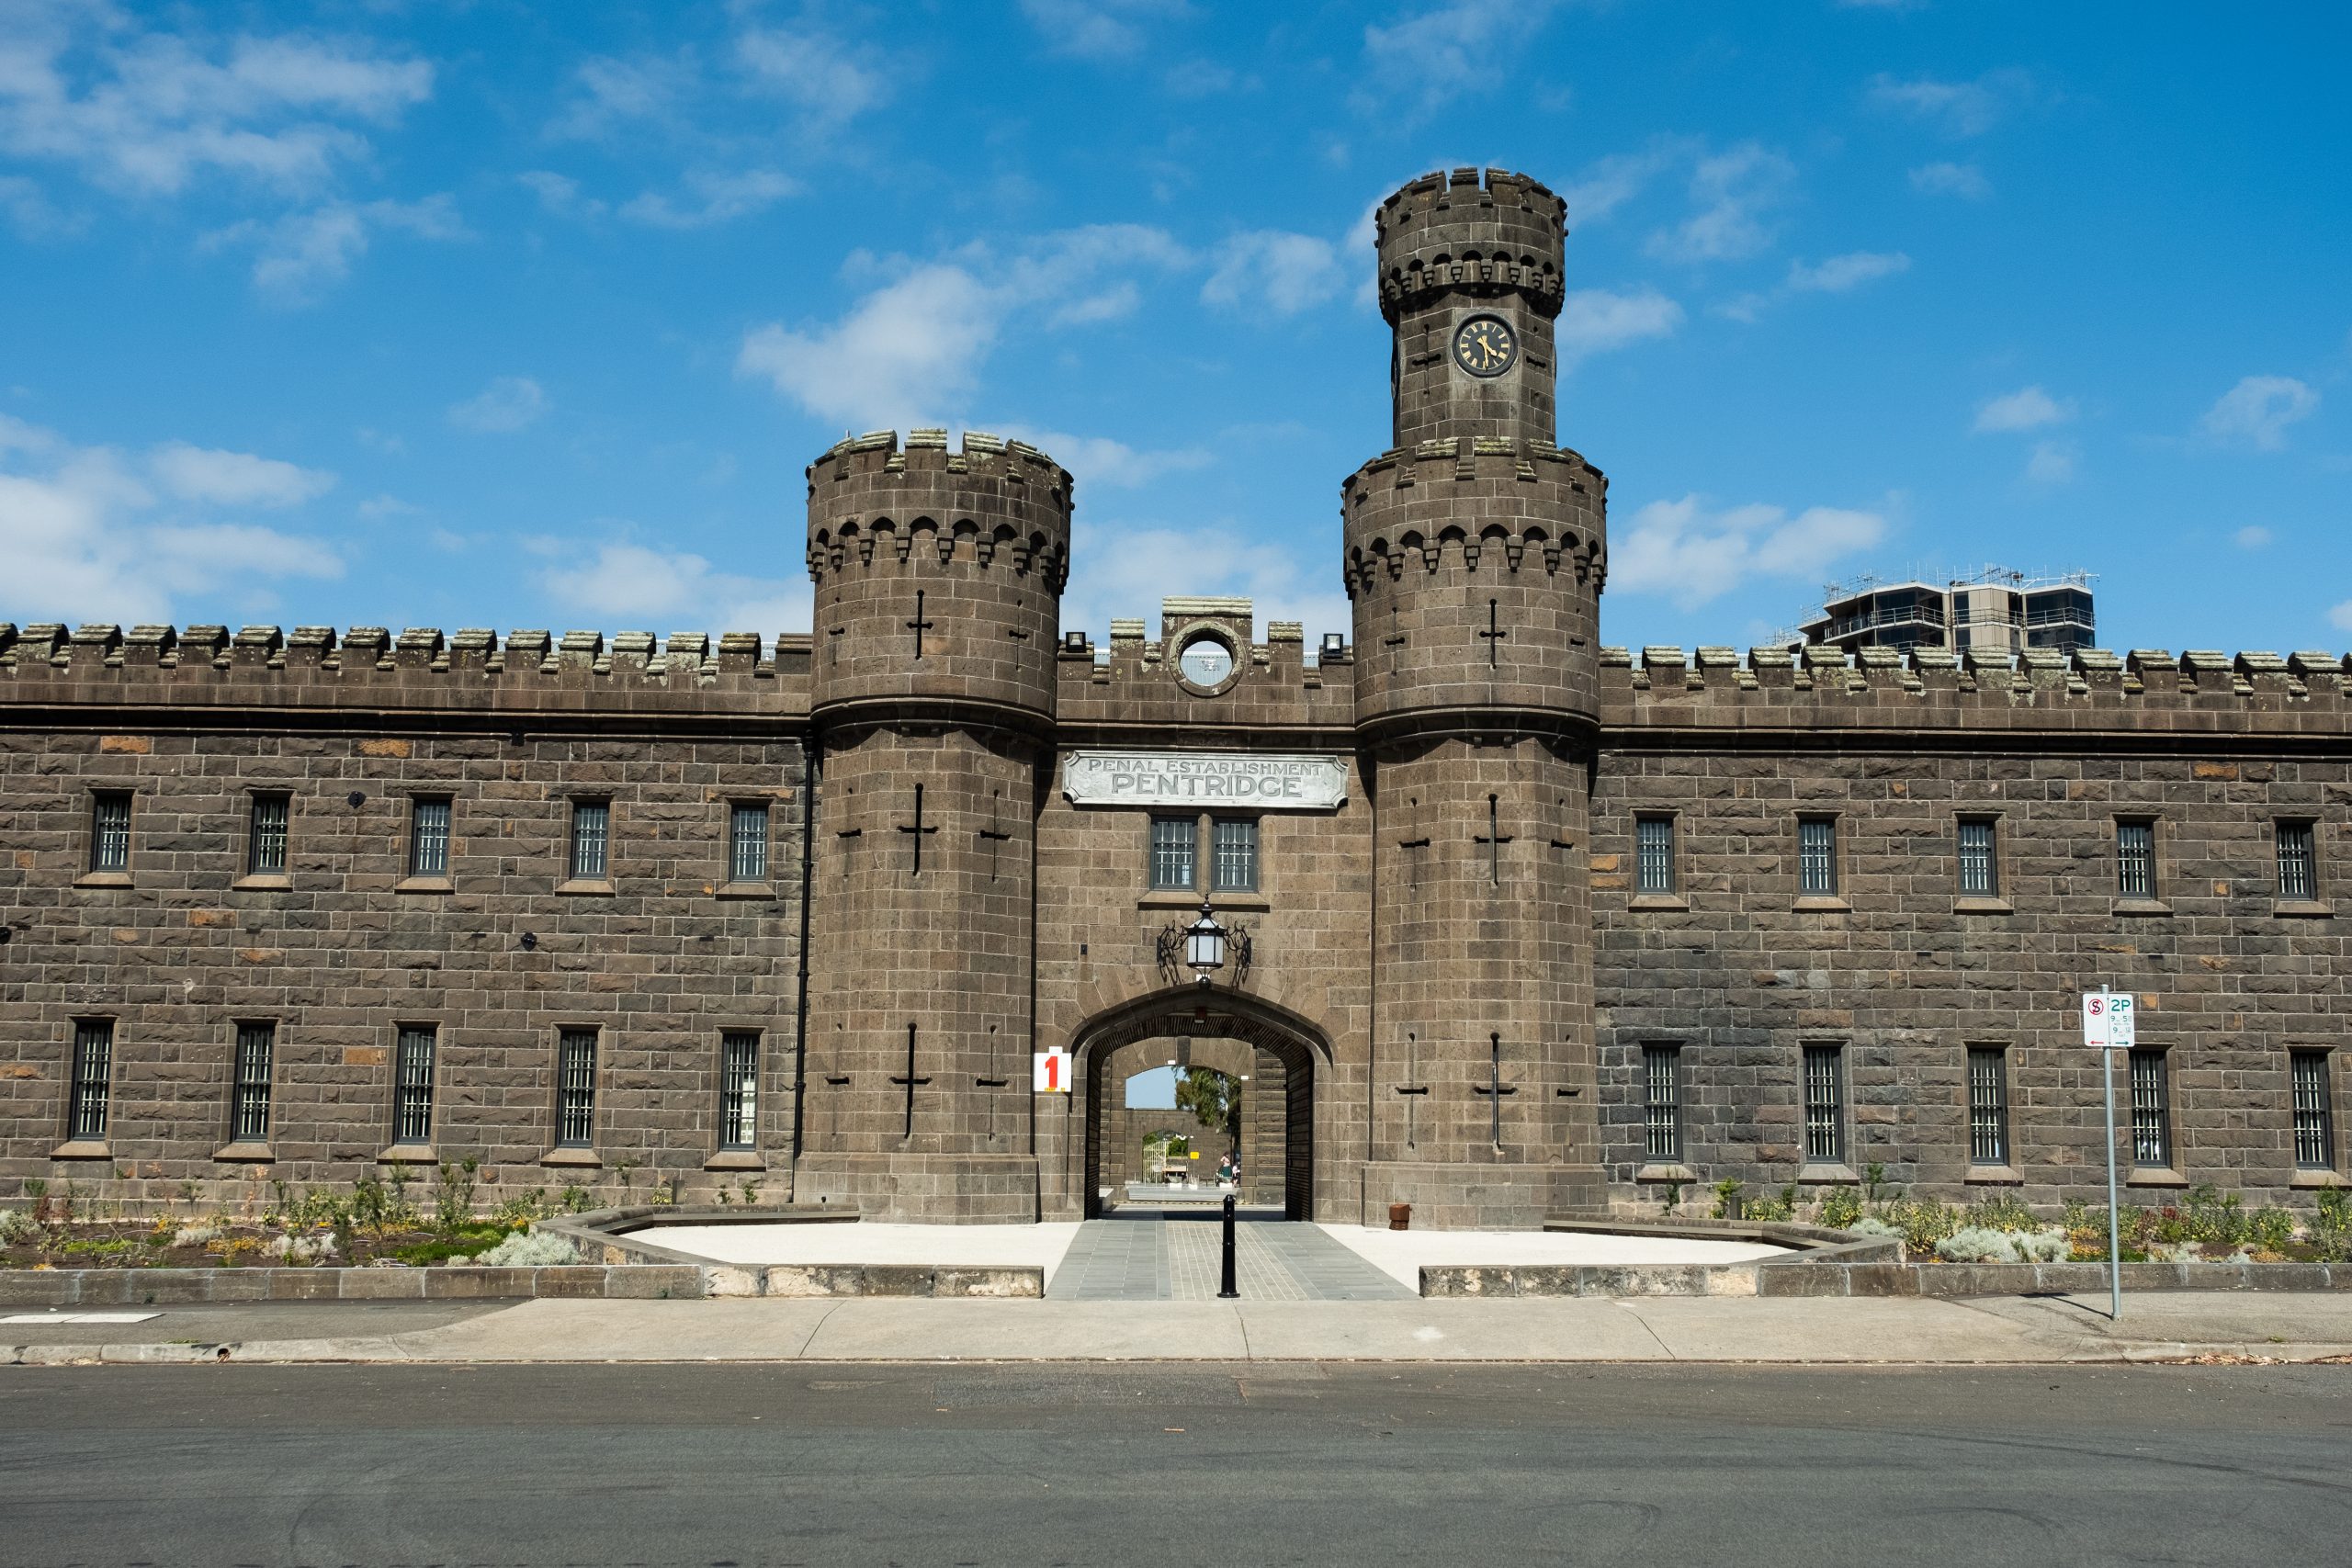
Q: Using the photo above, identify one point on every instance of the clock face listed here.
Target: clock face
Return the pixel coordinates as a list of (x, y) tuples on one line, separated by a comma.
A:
[(1484, 345), (1206, 661)]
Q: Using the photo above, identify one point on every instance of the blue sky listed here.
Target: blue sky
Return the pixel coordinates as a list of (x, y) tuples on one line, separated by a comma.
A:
[(509, 315)]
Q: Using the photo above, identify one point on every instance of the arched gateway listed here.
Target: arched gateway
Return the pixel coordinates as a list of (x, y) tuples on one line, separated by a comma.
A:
[(1189, 1014)]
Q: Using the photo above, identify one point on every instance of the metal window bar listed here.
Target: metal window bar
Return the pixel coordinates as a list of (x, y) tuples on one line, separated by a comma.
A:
[(575, 1091), (93, 1077), (249, 1117), (1174, 843), (2151, 1111), (591, 823), (1979, 874), (413, 1093), (1233, 859), (738, 1092), (747, 837), (1988, 1105), (1825, 1105), (1654, 854), (1817, 854), (266, 848), (2135, 859), (428, 838), (1662, 1101), (2314, 1112), (111, 832), (2298, 860)]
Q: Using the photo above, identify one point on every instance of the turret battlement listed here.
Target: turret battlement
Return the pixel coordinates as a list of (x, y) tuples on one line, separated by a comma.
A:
[(1494, 232), (991, 501), (1484, 504)]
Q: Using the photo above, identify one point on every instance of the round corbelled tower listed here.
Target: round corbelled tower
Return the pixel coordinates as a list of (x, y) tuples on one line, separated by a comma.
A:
[(939, 576), (1474, 555)]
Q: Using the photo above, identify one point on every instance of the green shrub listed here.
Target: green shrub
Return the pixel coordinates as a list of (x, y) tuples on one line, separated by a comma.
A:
[(2002, 1212), (453, 1195), (529, 1250), (1979, 1244), (1840, 1208), (2272, 1229), (1727, 1202), (2331, 1227), (1923, 1222)]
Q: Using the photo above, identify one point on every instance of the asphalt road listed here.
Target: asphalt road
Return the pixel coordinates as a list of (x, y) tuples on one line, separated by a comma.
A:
[(1175, 1464)]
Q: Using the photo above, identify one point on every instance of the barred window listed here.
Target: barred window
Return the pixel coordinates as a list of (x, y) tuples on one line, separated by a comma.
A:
[(93, 1078), (249, 1098), (1174, 843), (591, 822), (738, 1089), (747, 844), (1233, 860), (1654, 854), (575, 1088), (1817, 855), (2151, 1111), (2298, 860), (2314, 1111), (429, 837), (1662, 1101), (110, 830), (1988, 1105), (265, 841), (2135, 858), (412, 1085), (1980, 870), (1825, 1104)]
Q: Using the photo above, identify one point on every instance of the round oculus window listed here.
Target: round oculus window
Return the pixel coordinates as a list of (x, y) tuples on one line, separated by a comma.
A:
[(1206, 661)]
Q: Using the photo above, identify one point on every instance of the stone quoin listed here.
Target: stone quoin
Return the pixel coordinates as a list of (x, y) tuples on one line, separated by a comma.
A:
[(1516, 924)]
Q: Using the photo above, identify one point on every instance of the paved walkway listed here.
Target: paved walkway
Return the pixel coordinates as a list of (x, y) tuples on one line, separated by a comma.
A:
[(1178, 1258)]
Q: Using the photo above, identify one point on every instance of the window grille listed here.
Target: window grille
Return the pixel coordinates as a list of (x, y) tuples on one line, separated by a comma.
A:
[(428, 838), (575, 1089), (2135, 859), (1988, 1105), (2314, 1113), (2151, 1111), (1662, 1101), (1979, 871), (1825, 1105), (1174, 843), (591, 823), (265, 844), (248, 1101), (2298, 860), (1654, 854), (1817, 855), (1234, 856), (738, 1091), (110, 832), (412, 1087), (93, 1076), (747, 839)]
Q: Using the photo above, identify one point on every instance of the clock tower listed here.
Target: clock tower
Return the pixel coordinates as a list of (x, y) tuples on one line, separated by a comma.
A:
[(1475, 552)]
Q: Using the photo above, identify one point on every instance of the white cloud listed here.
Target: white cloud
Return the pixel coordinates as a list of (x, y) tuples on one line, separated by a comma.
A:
[(1125, 569), (2257, 411), (627, 583), (1097, 29), (2028, 407), (1603, 186), (1273, 270), (818, 74), (1594, 320), (718, 196), (1428, 59), (1692, 555), (560, 194), (2340, 618), (508, 403), (611, 92), (1964, 180), (235, 478), (2053, 462), (1095, 460), (1957, 108), (147, 112), (1836, 276), (301, 255), (2251, 537), (87, 539), (1732, 192)]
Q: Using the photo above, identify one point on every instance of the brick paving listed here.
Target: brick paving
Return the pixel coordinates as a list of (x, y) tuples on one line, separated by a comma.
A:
[(1177, 1259)]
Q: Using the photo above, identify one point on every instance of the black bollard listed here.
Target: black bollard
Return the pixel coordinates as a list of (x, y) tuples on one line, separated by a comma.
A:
[(1229, 1290)]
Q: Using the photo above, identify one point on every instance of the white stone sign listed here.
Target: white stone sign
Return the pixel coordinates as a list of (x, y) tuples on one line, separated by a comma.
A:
[(1263, 782)]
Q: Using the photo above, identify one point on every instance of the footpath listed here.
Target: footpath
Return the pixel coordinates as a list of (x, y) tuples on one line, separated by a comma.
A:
[(2188, 1325)]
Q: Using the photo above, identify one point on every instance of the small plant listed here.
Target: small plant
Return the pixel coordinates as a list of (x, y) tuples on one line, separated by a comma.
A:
[(403, 1212), (528, 1249), (1978, 1244), (2002, 1212), (725, 1198), (2272, 1229), (2331, 1227), (1673, 1198), (1874, 1183), (1923, 1222), (575, 1199), (624, 1168), (1728, 1204), (750, 1192), (453, 1196), (1840, 1208)]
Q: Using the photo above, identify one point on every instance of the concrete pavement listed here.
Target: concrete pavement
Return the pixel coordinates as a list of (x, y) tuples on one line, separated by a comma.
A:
[(1587, 1329)]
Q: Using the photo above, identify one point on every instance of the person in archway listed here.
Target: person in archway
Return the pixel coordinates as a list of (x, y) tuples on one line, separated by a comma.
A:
[(1226, 1170)]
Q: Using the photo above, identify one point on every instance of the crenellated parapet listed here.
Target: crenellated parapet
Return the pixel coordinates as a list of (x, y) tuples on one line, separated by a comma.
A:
[(1488, 231), (1939, 696), (939, 574), (1133, 686)]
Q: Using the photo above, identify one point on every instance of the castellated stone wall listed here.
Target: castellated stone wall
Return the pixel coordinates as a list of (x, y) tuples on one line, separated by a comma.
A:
[(345, 947)]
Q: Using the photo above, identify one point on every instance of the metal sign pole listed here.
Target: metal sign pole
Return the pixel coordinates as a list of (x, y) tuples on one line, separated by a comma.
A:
[(2114, 1218)]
